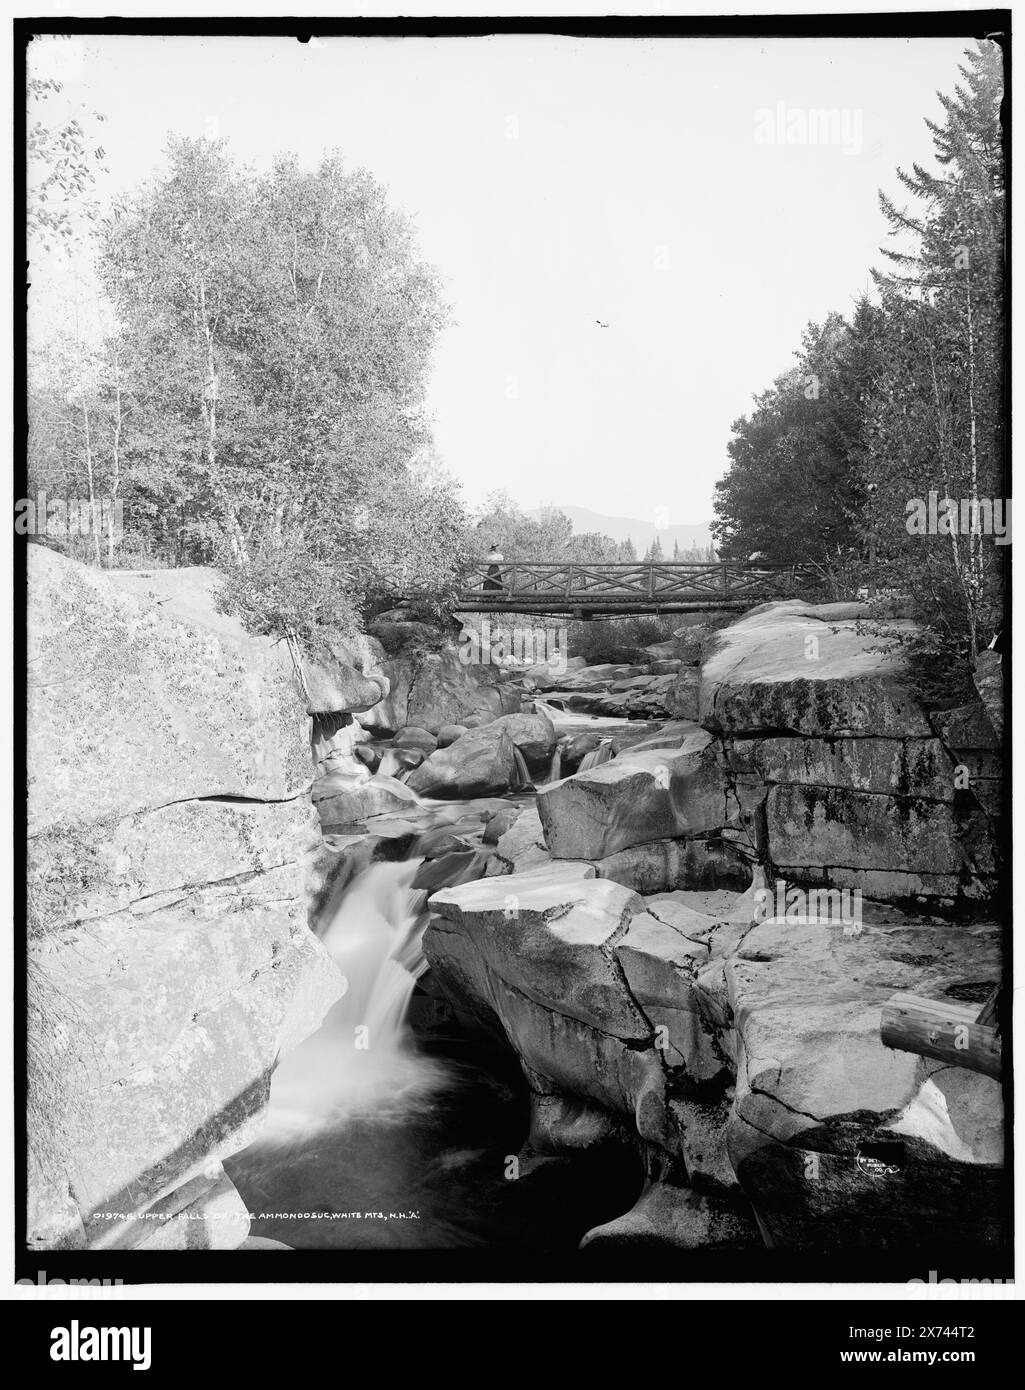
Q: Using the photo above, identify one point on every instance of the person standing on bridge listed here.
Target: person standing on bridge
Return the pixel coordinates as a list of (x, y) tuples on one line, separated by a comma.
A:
[(493, 578)]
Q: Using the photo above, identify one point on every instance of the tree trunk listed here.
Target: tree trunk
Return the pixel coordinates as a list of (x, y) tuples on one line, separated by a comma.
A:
[(236, 539), (92, 492), (975, 551), (115, 466)]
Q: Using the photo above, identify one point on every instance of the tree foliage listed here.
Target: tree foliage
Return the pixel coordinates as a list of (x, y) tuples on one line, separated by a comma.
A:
[(62, 157), (546, 535), (270, 345), (904, 400)]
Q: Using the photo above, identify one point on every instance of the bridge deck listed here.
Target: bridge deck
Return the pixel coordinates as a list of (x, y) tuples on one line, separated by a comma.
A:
[(583, 590)]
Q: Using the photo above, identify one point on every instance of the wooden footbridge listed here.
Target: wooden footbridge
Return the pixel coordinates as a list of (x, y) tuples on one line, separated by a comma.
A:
[(578, 590)]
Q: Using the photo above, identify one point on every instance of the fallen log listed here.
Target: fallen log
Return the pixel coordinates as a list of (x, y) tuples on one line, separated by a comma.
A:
[(937, 1028)]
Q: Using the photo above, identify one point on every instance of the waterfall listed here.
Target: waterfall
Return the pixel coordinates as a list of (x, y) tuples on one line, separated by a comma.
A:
[(597, 756), (577, 719), (555, 771), (522, 776), (362, 1058)]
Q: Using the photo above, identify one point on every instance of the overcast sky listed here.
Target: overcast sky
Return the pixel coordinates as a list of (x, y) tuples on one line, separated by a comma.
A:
[(557, 183)]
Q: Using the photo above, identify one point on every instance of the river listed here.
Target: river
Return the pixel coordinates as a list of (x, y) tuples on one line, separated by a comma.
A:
[(391, 1129)]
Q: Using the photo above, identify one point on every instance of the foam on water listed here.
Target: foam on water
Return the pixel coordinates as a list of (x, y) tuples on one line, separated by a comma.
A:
[(561, 718), (362, 1059)]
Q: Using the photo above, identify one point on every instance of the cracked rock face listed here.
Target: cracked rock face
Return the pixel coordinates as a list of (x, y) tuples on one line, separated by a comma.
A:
[(651, 794), (816, 1088), (122, 665), (823, 767), (551, 936), (433, 690), (836, 774), (170, 961), (598, 998), (807, 669), (741, 1058), (341, 679)]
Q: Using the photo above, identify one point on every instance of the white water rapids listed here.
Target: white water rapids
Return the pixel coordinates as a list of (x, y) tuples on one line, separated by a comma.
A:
[(362, 1057)]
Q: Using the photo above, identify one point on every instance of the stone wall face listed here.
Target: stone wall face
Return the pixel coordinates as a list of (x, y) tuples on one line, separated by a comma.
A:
[(838, 775), (428, 691), (814, 759), (739, 1053), (734, 1040), (170, 960)]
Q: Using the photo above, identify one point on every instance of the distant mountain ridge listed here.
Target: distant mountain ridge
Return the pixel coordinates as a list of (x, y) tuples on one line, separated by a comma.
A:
[(642, 533)]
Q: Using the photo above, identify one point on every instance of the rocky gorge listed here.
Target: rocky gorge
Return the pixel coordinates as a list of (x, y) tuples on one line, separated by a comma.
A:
[(596, 853)]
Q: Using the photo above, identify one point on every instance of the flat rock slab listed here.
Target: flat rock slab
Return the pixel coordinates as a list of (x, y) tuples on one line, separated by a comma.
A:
[(373, 798), (807, 999), (798, 668), (551, 936), (646, 795), (820, 1100)]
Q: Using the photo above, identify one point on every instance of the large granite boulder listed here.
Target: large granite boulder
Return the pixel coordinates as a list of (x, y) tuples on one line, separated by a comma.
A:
[(339, 676), (549, 936), (837, 775), (838, 1140), (533, 734), (818, 670), (484, 760), (342, 806), (481, 763), (433, 689), (597, 998), (646, 795), (574, 748), (738, 1053), (170, 960), (141, 693)]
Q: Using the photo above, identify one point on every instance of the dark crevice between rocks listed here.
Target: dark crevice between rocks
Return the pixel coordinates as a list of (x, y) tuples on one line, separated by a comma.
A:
[(186, 890), (231, 799), (791, 1109)]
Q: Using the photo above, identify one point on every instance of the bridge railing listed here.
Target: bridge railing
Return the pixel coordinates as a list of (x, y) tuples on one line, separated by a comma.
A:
[(651, 583)]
